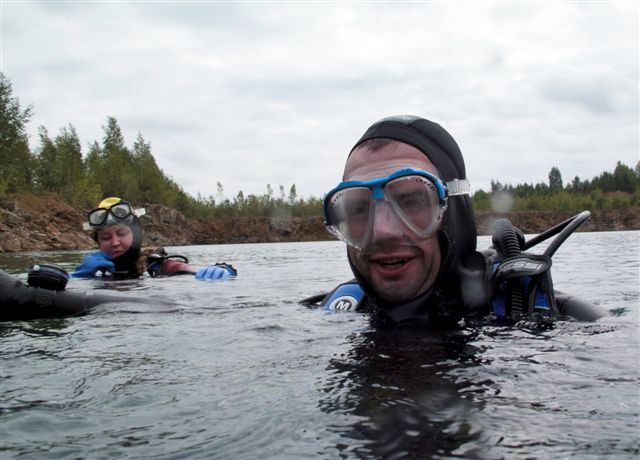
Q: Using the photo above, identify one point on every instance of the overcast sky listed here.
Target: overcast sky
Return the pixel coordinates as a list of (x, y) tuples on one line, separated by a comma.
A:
[(257, 93)]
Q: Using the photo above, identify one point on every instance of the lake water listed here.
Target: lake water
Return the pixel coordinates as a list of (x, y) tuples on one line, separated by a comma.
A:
[(240, 370)]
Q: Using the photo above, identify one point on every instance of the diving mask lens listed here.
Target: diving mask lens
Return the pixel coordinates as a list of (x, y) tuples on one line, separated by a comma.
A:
[(414, 196), (121, 211), (416, 202), (113, 214), (349, 211)]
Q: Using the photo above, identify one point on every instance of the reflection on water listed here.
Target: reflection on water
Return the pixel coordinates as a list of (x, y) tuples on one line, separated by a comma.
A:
[(398, 386), (240, 370), (17, 263)]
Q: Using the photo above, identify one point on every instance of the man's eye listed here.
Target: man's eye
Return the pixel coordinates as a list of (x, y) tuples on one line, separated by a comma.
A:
[(358, 208), (413, 200)]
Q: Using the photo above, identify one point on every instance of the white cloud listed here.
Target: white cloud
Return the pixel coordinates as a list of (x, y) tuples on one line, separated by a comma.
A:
[(251, 94)]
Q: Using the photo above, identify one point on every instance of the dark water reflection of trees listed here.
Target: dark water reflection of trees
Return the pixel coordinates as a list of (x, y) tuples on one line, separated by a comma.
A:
[(400, 385)]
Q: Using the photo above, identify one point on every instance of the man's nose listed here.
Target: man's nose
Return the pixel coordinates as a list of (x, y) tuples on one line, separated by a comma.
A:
[(386, 223)]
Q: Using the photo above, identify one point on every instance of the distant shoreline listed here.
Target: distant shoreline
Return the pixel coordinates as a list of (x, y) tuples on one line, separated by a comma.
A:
[(46, 223)]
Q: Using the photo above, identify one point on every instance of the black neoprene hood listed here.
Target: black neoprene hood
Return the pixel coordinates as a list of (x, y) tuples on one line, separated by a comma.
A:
[(458, 231), (428, 137)]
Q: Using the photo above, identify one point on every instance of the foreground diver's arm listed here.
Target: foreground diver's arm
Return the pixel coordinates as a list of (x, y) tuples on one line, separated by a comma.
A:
[(19, 301), (579, 309), (218, 271), (93, 263)]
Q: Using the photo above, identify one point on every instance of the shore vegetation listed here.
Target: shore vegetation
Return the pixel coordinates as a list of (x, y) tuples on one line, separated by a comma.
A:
[(59, 166)]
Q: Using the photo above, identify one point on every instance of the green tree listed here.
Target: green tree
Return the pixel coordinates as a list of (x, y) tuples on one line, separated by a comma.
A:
[(74, 184), (16, 160), (624, 178), (293, 195), (496, 186), (580, 186), (239, 200), (94, 165), (481, 201), (555, 179), (61, 170), (604, 182), (117, 176), (151, 180), (46, 160)]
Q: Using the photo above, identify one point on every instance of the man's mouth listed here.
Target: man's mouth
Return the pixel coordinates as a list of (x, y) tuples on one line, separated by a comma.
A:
[(395, 263)]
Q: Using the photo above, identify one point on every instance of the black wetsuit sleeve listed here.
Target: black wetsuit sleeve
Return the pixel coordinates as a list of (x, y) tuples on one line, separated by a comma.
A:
[(578, 308), (19, 301)]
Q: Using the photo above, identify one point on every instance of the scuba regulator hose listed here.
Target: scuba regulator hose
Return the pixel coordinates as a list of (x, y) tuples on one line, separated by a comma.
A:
[(525, 278), (509, 241), (565, 229)]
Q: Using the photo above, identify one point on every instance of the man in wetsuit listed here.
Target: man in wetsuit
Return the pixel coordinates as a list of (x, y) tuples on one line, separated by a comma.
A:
[(404, 211)]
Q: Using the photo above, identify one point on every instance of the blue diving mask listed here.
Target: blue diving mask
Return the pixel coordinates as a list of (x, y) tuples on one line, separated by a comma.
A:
[(417, 198)]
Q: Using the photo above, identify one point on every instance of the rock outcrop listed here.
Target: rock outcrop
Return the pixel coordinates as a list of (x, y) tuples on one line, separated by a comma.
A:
[(529, 222), (45, 223)]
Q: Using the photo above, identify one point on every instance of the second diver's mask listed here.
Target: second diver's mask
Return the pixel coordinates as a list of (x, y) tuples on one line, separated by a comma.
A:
[(112, 211), (417, 198)]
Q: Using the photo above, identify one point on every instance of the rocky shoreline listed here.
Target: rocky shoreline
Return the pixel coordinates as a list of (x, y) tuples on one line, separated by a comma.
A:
[(46, 223)]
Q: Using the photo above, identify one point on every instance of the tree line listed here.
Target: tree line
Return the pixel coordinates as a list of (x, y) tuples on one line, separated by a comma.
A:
[(111, 168), (617, 190)]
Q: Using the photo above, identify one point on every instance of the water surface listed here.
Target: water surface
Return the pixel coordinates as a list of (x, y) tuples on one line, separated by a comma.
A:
[(240, 369)]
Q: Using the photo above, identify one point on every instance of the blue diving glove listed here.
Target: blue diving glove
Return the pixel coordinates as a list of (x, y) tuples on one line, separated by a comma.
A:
[(216, 272), (93, 263)]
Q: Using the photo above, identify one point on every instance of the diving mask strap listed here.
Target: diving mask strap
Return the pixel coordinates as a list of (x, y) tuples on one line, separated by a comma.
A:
[(458, 187)]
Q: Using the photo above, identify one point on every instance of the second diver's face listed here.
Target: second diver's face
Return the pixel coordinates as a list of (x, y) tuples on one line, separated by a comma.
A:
[(115, 240), (400, 265)]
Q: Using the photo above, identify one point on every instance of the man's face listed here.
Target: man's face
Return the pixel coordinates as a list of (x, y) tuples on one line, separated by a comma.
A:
[(399, 265)]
